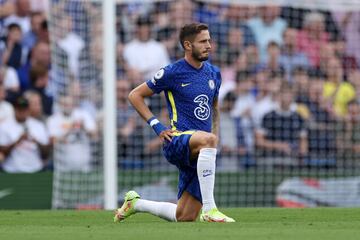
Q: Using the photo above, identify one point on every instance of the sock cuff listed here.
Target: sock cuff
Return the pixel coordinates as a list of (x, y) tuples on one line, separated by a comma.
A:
[(208, 151)]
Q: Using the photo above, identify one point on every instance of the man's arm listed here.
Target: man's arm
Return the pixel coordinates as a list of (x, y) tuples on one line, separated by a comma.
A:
[(262, 142), (215, 117), (137, 99), (6, 150)]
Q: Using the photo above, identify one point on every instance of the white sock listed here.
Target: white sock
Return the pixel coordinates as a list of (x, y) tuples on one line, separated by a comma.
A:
[(164, 210), (206, 175)]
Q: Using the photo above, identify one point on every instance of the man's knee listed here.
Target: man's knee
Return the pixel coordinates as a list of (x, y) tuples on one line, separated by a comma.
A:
[(186, 217), (208, 140)]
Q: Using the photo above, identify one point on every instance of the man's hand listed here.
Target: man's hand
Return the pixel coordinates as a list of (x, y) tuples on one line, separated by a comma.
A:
[(167, 134)]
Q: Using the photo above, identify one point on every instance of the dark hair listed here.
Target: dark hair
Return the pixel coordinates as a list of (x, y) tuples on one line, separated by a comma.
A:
[(230, 97), (189, 31), (20, 102), (144, 20), (13, 26), (37, 71)]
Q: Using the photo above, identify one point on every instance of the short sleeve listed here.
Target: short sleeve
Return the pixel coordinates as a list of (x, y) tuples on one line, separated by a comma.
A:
[(160, 82), (218, 82)]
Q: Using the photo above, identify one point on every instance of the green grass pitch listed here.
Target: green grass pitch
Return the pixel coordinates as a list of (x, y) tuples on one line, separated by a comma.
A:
[(252, 223)]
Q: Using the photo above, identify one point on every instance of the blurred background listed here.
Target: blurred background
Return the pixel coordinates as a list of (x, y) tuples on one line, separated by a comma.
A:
[(290, 101)]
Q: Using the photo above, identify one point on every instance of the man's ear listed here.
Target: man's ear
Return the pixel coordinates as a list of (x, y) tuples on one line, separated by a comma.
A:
[(187, 45)]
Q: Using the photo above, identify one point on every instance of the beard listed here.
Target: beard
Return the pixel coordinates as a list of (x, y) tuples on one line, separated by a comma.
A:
[(197, 55)]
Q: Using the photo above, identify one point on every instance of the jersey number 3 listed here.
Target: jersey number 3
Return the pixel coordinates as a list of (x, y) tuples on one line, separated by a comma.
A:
[(202, 112)]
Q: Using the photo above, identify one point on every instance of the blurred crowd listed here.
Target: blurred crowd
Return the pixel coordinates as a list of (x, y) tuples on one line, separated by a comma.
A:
[(289, 96)]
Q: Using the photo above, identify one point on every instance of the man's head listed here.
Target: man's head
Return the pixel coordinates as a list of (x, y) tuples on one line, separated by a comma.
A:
[(123, 90), (39, 76), (66, 104), (286, 96), (354, 110), (36, 20), (23, 7), (273, 50), (195, 39), (144, 28), (289, 37), (269, 13), (35, 105), (14, 32), (40, 54), (21, 107)]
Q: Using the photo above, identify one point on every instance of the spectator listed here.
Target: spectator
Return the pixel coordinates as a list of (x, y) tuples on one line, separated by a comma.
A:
[(7, 8), (321, 125), (126, 122), (40, 55), (348, 61), (282, 138), (31, 37), (327, 52), (21, 16), (301, 83), (24, 141), (337, 92), (14, 53), (290, 57), (6, 109), (235, 17), (39, 78), (181, 12), (273, 61), (354, 79), (69, 46), (352, 135), (234, 152), (71, 130), (312, 37), (35, 105), (267, 27), (266, 90), (143, 55), (242, 108), (349, 25)]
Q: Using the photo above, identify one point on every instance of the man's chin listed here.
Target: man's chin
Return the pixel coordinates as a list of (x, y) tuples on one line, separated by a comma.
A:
[(202, 59)]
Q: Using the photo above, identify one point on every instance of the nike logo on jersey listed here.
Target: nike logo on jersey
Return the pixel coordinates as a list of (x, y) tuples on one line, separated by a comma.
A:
[(205, 175), (185, 84)]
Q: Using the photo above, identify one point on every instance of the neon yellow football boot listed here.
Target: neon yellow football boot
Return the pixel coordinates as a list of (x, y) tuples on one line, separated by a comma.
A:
[(214, 215), (127, 209)]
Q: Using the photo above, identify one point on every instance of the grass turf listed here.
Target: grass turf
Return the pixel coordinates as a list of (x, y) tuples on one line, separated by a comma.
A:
[(252, 223)]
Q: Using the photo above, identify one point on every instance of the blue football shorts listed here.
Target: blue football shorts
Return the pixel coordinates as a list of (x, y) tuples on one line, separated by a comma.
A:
[(177, 152)]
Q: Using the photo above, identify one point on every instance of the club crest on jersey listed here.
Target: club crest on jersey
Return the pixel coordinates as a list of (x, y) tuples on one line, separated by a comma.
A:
[(159, 74), (212, 84)]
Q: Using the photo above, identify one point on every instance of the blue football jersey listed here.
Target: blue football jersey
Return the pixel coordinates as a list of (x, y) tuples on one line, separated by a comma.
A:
[(189, 92)]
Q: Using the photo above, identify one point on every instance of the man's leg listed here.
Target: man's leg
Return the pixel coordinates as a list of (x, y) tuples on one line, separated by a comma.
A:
[(134, 204), (188, 208), (203, 148)]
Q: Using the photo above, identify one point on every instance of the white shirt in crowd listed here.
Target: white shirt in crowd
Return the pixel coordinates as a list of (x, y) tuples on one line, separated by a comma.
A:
[(23, 22), (11, 79), (72, 150), (6, 111), (146, 57), (25, 157), (72, 44)]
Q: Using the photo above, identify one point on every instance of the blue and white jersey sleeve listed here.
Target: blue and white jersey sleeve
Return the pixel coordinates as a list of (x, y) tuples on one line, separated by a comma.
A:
[(161, 81), (218, 82)]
